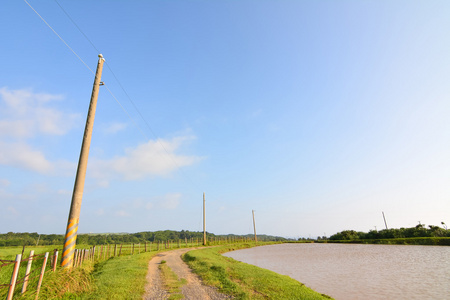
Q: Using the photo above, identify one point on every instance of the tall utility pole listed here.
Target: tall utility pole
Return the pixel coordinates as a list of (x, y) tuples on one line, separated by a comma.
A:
[(385, 224), (254, 227), (77, 196), (204, 220)]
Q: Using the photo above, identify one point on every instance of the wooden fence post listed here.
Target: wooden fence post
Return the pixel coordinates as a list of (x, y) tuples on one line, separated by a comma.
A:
[(75, 258), (41, 276), (145, 246), (55, 260), (115, 250), (83, 252), (12, 284), (27, 272), (120, 250)]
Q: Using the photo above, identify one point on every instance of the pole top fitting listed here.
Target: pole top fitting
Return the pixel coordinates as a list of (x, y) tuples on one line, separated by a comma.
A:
[(100, 55)]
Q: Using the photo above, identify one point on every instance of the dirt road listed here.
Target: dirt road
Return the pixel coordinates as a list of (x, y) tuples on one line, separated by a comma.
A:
[(194, 289)]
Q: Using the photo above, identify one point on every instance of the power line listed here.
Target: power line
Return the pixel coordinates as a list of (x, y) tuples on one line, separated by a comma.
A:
[(59, 37), (129, 98), (85, 36), (120, 84)]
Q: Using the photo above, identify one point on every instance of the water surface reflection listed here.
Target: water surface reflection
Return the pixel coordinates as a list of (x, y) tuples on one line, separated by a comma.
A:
[(359, 271)]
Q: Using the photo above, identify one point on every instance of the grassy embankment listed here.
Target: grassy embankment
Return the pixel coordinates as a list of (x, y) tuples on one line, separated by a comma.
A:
[(242, 280), (427, 241)]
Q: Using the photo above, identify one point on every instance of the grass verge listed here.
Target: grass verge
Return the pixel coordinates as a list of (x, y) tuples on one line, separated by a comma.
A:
[(171, 281), (119, 278), (242, 280)]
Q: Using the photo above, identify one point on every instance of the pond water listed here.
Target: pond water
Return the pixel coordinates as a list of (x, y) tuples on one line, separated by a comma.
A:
[(355, 271)]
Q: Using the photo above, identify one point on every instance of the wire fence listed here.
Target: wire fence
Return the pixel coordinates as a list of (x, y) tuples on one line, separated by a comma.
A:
[(28, 272)]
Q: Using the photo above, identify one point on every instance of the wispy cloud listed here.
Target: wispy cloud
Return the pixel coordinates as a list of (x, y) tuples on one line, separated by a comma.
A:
[(256, 113), (170, 201), (113, 128), (23, 156), (122, 213), (4, 182), (25, 114), (154, 158)]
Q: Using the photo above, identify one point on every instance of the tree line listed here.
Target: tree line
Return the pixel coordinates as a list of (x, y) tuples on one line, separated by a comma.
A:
[(29, 239), (413, 232)]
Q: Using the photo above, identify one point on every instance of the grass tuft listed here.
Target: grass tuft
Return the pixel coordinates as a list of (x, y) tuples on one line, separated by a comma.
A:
[(171, 281)]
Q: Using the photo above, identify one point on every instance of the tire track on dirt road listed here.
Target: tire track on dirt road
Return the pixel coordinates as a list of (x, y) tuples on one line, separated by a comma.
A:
[(194, 288)]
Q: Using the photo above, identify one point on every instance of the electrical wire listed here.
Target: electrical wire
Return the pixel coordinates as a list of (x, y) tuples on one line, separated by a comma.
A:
[(120, 84), (59, 36)]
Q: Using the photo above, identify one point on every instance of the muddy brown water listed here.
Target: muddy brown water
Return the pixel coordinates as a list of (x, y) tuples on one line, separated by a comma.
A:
[(359, 271)]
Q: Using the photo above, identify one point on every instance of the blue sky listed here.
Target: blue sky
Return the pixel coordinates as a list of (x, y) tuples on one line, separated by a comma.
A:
[(319, 115)]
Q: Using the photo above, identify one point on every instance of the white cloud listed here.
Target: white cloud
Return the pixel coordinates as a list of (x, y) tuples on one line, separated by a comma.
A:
[(154, 158), (21, 155), (64, 192), (114, 127), (25, 114), (12, 210), (170, 201), (122, 213), (4, 182)]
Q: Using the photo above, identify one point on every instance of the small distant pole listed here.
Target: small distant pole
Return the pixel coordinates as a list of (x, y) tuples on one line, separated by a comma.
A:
[(385, 224), (204, 220), (254, 226)]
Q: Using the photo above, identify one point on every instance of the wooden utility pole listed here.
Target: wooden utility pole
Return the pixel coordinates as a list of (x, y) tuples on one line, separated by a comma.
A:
[(77, 196), (385, 224), (204, 220), (254, 227)]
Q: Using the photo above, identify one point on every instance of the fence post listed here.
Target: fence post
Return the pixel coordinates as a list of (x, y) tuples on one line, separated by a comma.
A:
[(12, 284), (145, 246), (41, 276), (132, 250), (27, 272), (55, 260), (115, 250), (120, 250), (75, 258)]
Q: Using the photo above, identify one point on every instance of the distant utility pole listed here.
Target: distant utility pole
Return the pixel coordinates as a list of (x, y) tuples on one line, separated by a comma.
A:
[(385, 224), (204, 220), (254, 226), (77, 196)]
